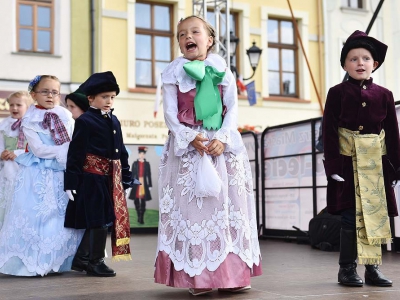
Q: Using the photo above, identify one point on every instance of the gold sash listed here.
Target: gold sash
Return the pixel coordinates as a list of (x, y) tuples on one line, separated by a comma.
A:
[(372, 220)]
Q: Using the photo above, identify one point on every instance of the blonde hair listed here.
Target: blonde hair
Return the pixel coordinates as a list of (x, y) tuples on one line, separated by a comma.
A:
[(207, 26), (35, 82), (21, 94)]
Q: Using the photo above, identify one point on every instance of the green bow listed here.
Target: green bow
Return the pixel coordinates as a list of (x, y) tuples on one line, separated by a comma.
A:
[(207, 102)]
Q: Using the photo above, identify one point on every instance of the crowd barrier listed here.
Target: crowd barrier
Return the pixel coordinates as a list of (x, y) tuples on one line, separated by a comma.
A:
[(289, 179)]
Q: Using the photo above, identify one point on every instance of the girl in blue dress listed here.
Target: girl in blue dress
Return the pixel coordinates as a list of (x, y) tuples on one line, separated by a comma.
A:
[(33, 240)]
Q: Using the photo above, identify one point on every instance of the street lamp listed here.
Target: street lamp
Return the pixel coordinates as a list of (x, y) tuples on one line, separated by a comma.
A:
[(253, 53)]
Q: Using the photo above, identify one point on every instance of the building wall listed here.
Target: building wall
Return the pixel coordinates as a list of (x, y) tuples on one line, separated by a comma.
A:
[(80, 40), (23, 67), (391, 36), (17, 69), (341, 22), (115, 50), (117, 53)]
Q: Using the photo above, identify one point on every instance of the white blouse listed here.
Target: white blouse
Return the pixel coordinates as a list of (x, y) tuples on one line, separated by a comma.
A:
[(31, 123), (5, 129), (174, 77)]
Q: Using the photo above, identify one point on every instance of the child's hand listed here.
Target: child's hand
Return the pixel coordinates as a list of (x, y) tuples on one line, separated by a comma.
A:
[(4, 154), (7, 155), (197, 143), (11, 155), (215, 148)]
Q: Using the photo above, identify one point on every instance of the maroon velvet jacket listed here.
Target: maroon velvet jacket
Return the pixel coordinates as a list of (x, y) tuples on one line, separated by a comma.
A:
[(368, 108)]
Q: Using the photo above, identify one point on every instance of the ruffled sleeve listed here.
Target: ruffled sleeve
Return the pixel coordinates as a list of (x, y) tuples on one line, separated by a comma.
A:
[(5, 127), (228, 133), (183, 135)]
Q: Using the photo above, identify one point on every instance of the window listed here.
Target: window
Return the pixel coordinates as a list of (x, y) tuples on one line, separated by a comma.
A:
[(154, 40), (35, 26), (282, 58), (352, 3)]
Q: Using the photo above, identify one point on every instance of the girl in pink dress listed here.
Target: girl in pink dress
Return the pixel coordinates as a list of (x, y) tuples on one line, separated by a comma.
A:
[(207, 229)]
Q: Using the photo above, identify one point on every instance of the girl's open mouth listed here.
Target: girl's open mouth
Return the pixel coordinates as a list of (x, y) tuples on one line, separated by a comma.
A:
[(190, 46)]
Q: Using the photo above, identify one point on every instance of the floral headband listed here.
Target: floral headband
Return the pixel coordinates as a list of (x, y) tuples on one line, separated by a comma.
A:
[(34, 82)]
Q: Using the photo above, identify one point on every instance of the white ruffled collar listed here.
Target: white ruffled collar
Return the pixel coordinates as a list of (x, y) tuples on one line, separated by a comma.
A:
[(175, 74), (5, 126), (36, 115)]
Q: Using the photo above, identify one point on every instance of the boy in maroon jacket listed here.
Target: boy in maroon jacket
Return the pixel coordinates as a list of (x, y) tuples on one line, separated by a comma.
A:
[(362, 160)]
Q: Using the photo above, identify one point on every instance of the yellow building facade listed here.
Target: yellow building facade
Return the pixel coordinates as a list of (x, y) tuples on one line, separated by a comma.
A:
[(135, 40)]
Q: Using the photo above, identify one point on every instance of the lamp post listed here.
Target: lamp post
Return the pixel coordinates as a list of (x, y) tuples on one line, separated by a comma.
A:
[(253, 53)]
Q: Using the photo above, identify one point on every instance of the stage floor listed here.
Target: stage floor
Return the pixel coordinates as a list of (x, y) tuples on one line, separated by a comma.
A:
[(291, 271)]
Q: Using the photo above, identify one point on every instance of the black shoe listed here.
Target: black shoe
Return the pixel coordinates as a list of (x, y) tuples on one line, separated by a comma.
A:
[(347, 259), (96, 265), (374, 276), (99, 269), (348, 276)]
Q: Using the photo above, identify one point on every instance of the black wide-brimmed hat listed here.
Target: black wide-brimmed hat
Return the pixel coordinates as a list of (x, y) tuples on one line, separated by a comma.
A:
[(79, 98), (359, 39), (100, 83)]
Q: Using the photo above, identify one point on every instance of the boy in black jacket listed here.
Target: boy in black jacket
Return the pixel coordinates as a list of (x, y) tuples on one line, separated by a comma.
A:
[(96, 176)]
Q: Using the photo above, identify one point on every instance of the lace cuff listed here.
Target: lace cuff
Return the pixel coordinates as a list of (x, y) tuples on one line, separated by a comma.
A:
[(231, 138), (182, 140), (61, 155)]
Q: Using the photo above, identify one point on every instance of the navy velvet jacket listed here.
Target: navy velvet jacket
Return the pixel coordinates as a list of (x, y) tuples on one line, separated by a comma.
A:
[(100, 135), (368, 108)]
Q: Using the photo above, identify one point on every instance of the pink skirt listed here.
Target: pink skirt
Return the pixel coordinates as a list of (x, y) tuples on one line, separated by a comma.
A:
[(233, 272)]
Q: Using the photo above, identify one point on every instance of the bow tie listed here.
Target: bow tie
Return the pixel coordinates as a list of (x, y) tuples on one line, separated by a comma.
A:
[(21, 138), (207, 102)]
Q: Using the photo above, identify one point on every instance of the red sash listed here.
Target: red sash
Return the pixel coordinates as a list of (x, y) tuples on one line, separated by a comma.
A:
[(120, 235)]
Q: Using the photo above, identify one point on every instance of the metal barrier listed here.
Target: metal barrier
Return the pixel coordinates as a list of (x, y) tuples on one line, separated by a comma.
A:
[(292, 184), (250, 140), (293, 181)]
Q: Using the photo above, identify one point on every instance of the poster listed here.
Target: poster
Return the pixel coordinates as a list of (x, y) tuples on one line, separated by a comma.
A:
[(143, 212), (288, 177)]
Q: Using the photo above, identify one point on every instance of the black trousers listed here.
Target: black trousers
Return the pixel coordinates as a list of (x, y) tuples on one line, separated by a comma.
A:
[(349, 219)]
